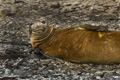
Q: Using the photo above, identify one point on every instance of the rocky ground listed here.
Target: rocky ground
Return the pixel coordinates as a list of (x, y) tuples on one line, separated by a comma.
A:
[(17, 15)]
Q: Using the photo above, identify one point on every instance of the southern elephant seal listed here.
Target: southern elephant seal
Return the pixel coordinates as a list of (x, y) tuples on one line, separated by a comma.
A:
[(91, 44)]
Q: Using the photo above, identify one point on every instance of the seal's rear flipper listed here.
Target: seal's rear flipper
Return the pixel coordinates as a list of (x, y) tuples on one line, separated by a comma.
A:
[(93, 28)]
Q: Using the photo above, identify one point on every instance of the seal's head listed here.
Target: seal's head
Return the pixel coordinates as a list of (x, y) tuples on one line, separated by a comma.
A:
[(40, 28), (39, 32)]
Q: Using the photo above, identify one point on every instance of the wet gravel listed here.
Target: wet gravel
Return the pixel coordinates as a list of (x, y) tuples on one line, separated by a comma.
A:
[(14, 28)]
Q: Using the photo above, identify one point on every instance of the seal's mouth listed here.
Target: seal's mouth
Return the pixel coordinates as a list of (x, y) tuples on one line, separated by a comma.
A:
[(39, 29)]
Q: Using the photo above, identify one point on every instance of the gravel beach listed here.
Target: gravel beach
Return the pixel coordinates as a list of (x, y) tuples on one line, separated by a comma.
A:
[(17, 15)]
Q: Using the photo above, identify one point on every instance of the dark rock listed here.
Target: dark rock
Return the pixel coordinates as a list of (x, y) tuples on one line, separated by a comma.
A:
[(19, 1), (54, 4)]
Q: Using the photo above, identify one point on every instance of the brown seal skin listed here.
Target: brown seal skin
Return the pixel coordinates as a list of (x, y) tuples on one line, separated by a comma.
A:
[(76, 45)]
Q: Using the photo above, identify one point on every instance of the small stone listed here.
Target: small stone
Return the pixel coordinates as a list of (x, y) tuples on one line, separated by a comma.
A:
[(111, 10), (86, 19), (108, 5), (17, 72), (117, 1), (54, 4), (67, 9), (116, 77), (75, 77), (7, 71), (67, 4), (0, 2), (75, 3), (51, 71), (98, 77), (99, 8), (118, 71), (20, 1), (8, 1), (99, 72), (44, 72)]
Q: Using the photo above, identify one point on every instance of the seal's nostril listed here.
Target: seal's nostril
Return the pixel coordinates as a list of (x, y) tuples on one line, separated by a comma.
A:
[(43, 28)]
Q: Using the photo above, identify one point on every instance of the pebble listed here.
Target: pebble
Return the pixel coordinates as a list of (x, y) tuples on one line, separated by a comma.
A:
[(98, 77), (7, 72), (44, 72), (117, 77), (17, 72), (118, 71), (54, 4), (75, 76)]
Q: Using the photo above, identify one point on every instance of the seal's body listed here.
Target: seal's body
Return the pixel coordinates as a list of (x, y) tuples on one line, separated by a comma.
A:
[(73, 44)]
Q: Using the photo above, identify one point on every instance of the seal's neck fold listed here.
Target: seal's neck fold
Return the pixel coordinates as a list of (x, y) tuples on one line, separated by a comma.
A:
[(37, 38)]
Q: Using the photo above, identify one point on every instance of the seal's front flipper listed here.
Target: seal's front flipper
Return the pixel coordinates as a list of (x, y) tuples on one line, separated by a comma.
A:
[(44, 55), (38, 53), (35, 54)]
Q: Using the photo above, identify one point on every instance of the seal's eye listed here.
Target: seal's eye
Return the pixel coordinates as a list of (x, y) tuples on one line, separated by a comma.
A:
[(43, 22)]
